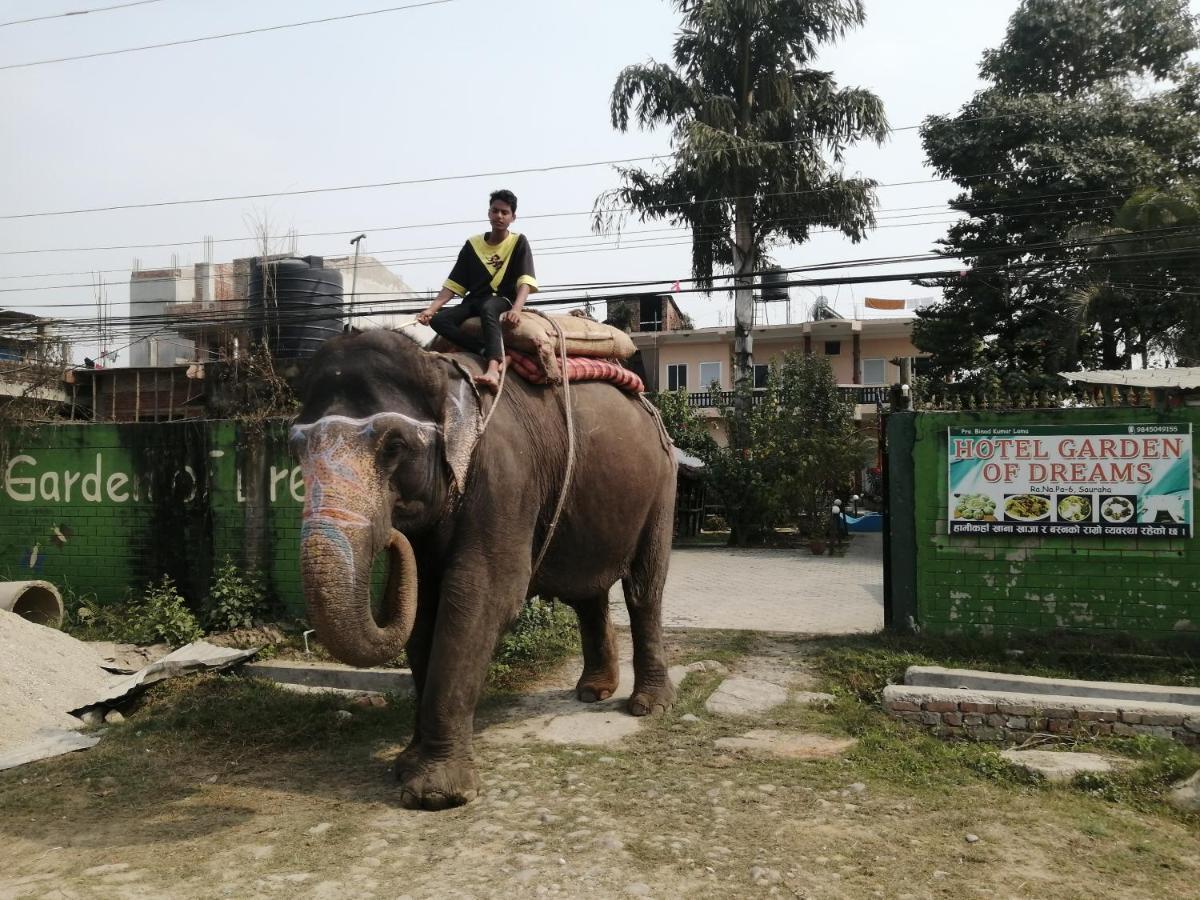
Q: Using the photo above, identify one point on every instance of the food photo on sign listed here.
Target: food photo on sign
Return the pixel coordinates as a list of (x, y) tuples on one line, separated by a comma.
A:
[(1071, 480)]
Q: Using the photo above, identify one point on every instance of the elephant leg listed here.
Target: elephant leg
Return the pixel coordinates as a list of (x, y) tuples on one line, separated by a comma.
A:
[(418, 649), (476, 606), (652, 688), (601, 672)]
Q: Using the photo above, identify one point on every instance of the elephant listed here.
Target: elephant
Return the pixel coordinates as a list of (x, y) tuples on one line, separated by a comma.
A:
[(400, 452)]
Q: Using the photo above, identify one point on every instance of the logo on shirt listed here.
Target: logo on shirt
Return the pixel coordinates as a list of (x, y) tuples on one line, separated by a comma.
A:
[(494, 261)]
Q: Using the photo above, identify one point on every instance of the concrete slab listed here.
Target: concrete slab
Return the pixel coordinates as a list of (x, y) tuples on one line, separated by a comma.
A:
[(786, 744), (555, 716), (745, 697), (936, 676), (920, 695), (1056, 766), (332, 675)]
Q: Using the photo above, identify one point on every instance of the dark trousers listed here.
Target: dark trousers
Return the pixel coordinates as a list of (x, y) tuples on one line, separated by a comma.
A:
[(448, 323)]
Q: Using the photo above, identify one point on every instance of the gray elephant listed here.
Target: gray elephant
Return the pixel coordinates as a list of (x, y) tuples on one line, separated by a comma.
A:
[(389, 439)]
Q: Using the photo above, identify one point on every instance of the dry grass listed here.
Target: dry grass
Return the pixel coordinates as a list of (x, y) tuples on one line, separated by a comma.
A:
[(212, 788)]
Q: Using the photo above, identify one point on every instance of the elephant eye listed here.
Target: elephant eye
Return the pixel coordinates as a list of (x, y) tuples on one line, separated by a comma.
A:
[(393, 447)]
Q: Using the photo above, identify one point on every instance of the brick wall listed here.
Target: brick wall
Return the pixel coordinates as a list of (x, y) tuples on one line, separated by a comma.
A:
[(108, 508), (994, 584)]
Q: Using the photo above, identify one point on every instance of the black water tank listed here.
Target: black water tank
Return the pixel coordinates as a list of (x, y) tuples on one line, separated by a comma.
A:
[(774, 284), (296, 304)]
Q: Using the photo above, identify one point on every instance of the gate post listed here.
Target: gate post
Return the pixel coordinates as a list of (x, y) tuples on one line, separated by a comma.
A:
[(899, 524)]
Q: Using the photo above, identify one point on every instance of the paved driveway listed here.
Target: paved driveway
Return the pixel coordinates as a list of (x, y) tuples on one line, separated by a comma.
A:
[(773, 590)]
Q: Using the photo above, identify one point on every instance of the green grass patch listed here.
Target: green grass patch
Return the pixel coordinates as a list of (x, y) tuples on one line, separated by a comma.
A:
[(863, 666)]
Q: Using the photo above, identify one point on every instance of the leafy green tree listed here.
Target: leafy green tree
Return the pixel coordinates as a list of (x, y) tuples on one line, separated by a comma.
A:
[(1142, 294), (758, 137), (683, 423), (821, 444), (1086, 102), (790, 455)]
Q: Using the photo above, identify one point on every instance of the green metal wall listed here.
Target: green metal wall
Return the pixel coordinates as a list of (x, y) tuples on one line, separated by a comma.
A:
[(107, 508), (999, 584)]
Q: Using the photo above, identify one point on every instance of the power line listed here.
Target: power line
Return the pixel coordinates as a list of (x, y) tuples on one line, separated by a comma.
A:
[(294, 313), (77, 12), (475, 220), (218, 37), (655, 243), (932, 209), (535, 170)]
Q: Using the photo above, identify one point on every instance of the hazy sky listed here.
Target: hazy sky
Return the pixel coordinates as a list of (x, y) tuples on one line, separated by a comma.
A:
[(463, 87)]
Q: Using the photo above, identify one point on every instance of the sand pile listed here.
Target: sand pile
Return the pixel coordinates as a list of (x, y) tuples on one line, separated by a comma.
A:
[(43, 673)]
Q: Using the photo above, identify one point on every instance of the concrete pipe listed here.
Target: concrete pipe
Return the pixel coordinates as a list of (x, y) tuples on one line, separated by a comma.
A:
[(37, 601)]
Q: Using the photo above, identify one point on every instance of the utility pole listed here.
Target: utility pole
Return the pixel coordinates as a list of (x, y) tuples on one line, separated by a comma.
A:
[(743, 244), (354, 276)]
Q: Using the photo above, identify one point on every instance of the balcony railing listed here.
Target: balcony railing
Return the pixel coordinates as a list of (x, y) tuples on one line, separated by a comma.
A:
[(856, 393)]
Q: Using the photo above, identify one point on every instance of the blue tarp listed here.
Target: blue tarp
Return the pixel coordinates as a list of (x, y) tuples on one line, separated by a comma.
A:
[(871, 521)]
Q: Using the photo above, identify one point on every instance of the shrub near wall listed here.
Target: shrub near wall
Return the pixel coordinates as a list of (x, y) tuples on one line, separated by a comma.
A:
[(109, 508), (1002, 584)]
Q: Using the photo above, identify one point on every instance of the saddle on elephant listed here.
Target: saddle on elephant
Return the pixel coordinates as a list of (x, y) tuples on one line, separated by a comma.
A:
[(533, 347)]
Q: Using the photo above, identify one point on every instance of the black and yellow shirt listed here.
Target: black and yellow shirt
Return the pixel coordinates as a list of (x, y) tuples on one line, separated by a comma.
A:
[(484, 269)]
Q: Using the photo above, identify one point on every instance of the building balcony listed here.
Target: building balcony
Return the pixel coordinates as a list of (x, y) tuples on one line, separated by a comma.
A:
[(858, 394)]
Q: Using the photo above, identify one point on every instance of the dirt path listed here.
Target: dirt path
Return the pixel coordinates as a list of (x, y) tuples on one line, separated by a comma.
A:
[(661, 812)]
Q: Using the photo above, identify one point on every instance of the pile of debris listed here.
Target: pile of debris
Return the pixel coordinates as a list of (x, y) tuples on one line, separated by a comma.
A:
[(53, 685)]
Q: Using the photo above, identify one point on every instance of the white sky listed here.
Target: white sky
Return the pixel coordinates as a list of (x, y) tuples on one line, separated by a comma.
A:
[(465, 87)]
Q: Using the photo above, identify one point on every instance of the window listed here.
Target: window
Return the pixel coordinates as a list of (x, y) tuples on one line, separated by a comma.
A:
[(874, 371), (760, 375), (833, 348), (709, 372), (677, 377)]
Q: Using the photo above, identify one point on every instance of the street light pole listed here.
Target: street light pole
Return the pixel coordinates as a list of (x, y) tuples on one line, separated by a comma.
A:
[(354, 276)]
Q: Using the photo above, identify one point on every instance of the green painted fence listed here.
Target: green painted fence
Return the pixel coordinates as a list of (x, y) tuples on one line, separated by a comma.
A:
[(107, 508), (1009, 584)]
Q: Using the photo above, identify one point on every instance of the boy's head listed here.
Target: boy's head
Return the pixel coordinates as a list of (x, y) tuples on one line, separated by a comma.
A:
[(506, 197)]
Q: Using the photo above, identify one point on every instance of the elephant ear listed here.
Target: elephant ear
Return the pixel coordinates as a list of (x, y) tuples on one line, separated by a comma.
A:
[(462, 422)]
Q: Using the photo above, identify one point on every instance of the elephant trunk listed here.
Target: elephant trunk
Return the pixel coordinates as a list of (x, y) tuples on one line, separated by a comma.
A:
[(336, 560)]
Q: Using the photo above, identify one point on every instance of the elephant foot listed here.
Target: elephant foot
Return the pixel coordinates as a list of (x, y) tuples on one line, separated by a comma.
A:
[(435, 785), (407, 761), (593, 687), (651, 701)]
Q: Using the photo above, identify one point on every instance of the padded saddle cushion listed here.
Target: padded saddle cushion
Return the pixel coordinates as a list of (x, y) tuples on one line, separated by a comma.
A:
[(579, 368)]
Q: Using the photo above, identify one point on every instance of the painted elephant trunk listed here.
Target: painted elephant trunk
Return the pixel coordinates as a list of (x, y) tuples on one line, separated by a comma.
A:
[(336, 568), (346, 524)]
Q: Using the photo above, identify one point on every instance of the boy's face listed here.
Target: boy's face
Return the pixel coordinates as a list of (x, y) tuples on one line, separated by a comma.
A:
[(501, 215)]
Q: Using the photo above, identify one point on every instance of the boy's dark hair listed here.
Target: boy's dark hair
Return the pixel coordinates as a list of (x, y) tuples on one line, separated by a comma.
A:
[(504, 197)]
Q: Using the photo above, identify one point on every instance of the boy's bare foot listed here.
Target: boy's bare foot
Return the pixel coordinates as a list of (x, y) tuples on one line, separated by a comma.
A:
[(489, 380)]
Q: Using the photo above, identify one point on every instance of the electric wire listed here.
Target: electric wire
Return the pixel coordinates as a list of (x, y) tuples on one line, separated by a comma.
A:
[(78, 12), (299, 313), (218, 37)]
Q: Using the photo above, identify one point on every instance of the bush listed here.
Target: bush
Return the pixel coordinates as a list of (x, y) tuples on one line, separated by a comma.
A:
[(235, 599), (544, 633), (162, 615)]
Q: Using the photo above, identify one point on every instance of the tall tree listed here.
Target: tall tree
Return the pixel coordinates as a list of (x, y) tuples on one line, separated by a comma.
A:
[(1087, 101), (1142, 294), (758, 137)]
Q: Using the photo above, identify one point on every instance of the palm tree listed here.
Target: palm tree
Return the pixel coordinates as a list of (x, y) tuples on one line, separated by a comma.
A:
[(1142, 292), (758, 137)]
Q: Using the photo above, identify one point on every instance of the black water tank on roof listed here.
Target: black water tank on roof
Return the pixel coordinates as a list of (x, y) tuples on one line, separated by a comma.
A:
[(296, 304), (773, 284)]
